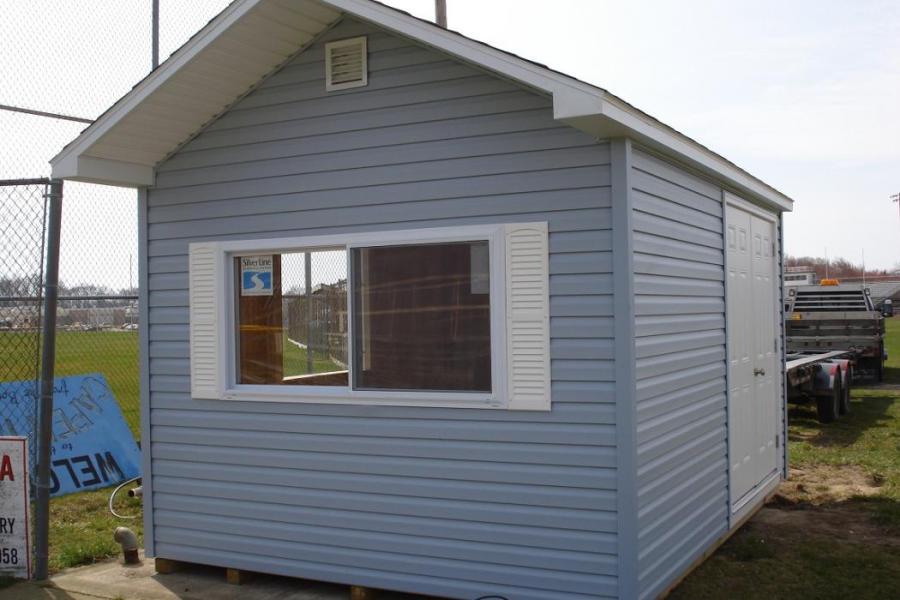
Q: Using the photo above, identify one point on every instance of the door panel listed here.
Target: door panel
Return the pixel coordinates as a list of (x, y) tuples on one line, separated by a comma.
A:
[(752, 356)]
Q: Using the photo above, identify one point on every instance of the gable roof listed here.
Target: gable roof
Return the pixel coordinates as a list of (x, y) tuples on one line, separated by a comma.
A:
[(250, 39)]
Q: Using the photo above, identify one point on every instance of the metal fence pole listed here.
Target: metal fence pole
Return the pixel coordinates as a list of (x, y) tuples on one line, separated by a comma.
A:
[(48, 359), (154, 34), (307, 274)]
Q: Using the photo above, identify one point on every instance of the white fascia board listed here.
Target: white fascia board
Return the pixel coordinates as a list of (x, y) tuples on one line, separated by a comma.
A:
[(662, 136), (103, 170), (576, 103), (450, 42), (233, 13), (617, 119)]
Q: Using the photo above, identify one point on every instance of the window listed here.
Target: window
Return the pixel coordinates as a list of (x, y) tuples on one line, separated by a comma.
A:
[(292, 318), (436, 317), (422, 317)]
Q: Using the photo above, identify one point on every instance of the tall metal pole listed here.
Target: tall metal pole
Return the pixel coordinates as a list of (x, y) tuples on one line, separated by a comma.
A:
[(307, 275), (440, 13), (48, 359), (154, 32)]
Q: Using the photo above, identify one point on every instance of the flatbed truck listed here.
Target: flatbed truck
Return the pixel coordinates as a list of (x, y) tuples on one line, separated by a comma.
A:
[(834, 337)]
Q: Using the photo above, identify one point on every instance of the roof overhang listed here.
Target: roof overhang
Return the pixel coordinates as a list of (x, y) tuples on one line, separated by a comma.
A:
[(250, 39)]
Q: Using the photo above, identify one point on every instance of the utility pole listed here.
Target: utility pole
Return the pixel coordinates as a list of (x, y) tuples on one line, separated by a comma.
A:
[(896, 198), (440, 13)]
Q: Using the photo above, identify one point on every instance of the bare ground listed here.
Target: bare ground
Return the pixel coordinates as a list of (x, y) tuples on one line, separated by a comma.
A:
[(815, 501)]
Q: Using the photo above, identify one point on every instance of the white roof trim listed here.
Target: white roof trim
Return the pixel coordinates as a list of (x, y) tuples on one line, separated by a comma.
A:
[(576, 103), (66, 164)]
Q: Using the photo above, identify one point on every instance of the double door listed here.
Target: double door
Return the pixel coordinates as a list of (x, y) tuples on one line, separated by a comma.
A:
[(753, 367)]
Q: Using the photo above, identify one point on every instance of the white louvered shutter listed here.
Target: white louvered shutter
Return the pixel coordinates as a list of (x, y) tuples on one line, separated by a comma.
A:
[(528, 316), (205, 281)]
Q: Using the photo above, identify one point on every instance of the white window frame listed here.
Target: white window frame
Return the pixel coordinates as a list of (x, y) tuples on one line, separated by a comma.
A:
[(496, 398)]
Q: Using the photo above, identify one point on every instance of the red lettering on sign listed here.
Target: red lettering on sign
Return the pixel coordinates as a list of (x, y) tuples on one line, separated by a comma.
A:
[(6, 469)]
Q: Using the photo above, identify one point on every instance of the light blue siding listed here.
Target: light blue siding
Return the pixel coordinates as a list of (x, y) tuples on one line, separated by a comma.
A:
[(451, 502), (680, 365)]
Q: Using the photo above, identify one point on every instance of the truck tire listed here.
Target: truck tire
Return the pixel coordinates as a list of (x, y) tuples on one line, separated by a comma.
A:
[(879, 369), (830, 400), (844, 408)]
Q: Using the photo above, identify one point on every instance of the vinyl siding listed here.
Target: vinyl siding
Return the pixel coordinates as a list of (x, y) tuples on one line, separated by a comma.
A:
[(452, 502), (680, 366)]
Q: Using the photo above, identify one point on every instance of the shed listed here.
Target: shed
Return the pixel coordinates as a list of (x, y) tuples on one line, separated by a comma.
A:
[(421, 315)]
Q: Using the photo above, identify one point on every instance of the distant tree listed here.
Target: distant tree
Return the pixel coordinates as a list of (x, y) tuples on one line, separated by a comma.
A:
[(19, 286), (836, 268)]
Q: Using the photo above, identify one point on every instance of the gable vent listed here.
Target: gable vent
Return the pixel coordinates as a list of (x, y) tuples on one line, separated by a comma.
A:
[(346, 64)]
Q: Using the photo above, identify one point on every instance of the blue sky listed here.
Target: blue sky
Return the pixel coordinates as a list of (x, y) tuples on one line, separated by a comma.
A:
[(804, 95)]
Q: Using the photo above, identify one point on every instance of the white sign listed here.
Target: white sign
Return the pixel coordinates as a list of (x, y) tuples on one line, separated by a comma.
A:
[(256, 275), (15, 552)]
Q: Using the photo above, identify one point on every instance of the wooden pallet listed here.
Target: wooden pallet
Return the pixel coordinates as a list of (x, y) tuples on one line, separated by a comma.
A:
[(166, 566)]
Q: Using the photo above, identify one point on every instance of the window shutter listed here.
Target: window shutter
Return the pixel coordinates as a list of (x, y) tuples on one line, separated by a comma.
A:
[(528, 316), (205, 279)]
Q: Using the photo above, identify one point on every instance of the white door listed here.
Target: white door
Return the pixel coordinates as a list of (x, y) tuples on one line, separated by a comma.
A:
[(752, 350)]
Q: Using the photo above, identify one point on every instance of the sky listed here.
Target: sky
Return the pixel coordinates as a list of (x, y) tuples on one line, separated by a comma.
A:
[(804, 95)]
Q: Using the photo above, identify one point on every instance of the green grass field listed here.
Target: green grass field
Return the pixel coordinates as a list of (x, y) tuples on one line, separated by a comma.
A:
[(81, 527), (113, 353), (294, 360), (833, 531)]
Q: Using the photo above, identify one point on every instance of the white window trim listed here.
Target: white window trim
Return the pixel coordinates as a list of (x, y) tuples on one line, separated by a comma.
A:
[(497, 398)]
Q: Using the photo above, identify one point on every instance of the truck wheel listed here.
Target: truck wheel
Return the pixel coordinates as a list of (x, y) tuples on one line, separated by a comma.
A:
[(844, 408), (829, 400), (879, 369)]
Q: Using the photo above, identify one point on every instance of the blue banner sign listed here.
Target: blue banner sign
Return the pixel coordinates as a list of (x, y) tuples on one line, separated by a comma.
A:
[(92, 445)]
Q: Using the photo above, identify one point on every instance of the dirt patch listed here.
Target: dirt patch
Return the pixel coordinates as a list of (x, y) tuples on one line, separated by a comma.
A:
[(842, 522), (826, 484), (828, 501)]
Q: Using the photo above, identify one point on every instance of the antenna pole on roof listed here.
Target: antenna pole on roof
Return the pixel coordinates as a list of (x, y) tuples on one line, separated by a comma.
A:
[(440, 13), (154, 34)]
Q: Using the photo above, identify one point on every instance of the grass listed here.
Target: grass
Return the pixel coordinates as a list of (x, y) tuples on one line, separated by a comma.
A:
[(81, 527), (892, 347), (113, 353), (822, 546), (294, 360)]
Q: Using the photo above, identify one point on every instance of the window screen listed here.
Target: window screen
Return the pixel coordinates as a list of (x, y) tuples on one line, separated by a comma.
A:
[(422, 317)]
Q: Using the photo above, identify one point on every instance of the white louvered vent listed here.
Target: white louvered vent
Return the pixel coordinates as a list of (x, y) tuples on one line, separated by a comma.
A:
[(204, 283), (346, 64), (528, 316)]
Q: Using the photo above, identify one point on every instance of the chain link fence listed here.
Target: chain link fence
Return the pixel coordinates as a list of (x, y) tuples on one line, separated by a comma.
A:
[(65, 63), (314, 310), (23, 214)]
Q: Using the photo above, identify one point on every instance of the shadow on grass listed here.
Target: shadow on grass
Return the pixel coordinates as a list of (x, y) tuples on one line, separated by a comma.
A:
[(892, 375), (884, 511), (866, 412), (848, 549)]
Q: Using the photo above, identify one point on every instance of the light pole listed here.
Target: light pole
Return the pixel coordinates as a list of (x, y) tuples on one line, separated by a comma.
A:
[(896, 198)]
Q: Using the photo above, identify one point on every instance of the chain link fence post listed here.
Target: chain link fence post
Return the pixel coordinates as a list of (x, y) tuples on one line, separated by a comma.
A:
[(48, 360)]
